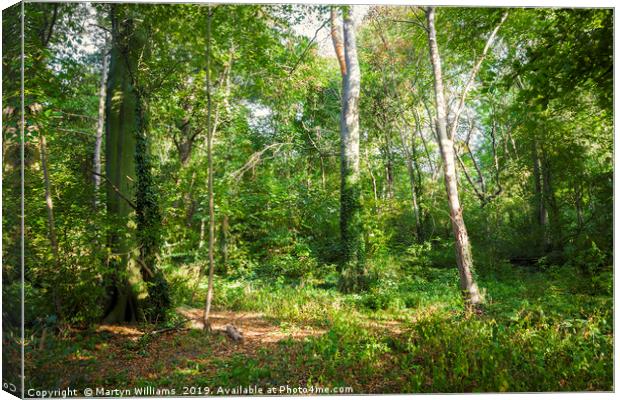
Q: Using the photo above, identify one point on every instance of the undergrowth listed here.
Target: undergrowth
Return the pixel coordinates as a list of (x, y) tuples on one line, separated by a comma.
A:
[(539, 331)]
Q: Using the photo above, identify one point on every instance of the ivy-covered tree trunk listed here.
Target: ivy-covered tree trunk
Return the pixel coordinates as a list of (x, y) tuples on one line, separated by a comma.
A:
[(463, 251), (353, 268), (148, 218), (120, 148), (128, 171)]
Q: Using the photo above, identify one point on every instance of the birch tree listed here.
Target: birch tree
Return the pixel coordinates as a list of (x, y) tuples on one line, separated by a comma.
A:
[(446, 145), (353, 269), (100, 125), (207, 310)]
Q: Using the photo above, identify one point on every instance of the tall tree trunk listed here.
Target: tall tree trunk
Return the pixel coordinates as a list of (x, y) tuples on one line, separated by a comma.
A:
[(539, 201), (120, 147), (372, 179), (353, 269), (128, 169), (100, 127), (322, 172), (578, 190), (412, 182), (148, 222), (463, 250), (201, 242), (223, 242), (49, 205), (336, 34), (207, 311), (189, 202), (554, 231), (389, 167)]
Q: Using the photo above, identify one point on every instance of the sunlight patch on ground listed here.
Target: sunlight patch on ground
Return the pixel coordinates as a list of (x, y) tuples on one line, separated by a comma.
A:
[(253, 326)]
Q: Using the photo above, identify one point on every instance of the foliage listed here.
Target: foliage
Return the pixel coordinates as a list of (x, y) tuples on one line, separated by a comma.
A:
[(540, 332), (534, 147)]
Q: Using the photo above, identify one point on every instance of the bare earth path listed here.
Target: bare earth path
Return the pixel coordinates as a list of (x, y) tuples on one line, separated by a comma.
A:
[(254, 327), (118, 356)]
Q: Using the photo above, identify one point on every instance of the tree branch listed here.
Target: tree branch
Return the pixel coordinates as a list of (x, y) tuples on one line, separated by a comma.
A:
[(255, 159), (51, 27), (480, 195), (473, 74), (336, 31), (117, 190), (303, 54)]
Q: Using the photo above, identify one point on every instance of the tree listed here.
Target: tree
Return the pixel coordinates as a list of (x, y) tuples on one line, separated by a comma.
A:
[(353, 267), (120, 146), (207, 324), (38, 57), (446, 145), (128, 161), (100, 125)]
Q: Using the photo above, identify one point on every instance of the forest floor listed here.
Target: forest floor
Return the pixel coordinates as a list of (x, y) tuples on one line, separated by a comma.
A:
[(127, 355), (124, 356), (539, 332)]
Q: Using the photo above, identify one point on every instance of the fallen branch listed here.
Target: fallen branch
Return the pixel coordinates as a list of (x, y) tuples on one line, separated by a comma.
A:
[(178, 326), (233, 333)]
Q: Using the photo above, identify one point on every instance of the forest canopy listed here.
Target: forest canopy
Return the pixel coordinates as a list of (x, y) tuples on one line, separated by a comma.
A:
[(406, 197)]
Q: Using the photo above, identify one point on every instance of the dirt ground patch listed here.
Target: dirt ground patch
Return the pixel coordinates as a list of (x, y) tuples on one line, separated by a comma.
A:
[(253, 326), (120, 354)]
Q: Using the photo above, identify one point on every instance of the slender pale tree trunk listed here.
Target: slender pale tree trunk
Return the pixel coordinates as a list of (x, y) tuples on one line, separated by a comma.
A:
[(201, 242), (463, 250), (554, 231), (49, 205), (389, 167), (189, 202), (539, 201), (353, 270), (207, 310), (223, 242), (322, 172), (100, 126), (411, 172), (372, 178)]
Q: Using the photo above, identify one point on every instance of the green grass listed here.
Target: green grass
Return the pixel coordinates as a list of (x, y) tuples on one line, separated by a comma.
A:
[(540, 331)]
